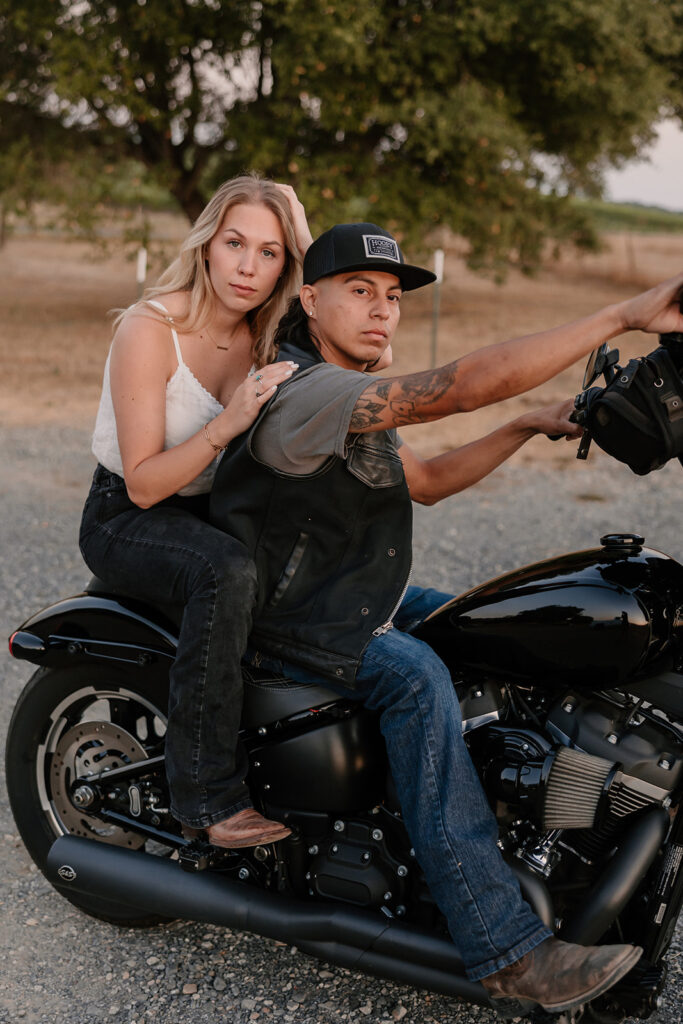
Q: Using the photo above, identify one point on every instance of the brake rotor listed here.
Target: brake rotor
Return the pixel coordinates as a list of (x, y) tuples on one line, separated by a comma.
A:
[(88, 751)]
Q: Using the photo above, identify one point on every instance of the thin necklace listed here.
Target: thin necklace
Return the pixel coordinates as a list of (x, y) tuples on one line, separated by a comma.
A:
[(223, 348)]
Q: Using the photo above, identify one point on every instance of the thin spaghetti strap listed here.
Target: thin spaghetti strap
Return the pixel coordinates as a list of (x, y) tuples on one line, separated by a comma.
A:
[(174, 333)]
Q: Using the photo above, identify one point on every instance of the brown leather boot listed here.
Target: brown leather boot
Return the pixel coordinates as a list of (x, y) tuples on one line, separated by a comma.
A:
[(560, 975), (246, 828)]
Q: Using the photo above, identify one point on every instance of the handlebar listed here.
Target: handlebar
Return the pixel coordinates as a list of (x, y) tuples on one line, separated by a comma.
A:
[(605, 361)]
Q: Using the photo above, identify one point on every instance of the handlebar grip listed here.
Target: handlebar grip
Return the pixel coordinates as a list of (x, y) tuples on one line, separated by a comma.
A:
[(558, 437)]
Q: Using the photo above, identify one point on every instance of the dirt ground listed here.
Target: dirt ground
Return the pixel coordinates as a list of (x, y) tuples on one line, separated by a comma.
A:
[(55, 330)]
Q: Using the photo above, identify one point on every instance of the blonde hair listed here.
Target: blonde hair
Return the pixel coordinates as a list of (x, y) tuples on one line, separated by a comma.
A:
[(189, 272)]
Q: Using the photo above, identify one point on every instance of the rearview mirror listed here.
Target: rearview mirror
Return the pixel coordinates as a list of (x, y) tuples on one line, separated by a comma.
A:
[(597, 361)]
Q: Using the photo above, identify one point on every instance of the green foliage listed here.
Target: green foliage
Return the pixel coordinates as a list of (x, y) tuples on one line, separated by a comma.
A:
[(486, 116), (631, 217), (19, 177)]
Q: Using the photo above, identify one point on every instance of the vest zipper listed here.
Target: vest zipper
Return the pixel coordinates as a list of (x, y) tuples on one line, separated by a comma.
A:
[(385, 627)]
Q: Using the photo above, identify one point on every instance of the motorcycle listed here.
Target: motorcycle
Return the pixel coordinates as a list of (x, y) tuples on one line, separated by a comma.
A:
[(570, 678)]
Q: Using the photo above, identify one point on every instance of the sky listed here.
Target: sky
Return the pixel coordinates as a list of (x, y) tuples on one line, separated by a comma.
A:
[(657, 181)]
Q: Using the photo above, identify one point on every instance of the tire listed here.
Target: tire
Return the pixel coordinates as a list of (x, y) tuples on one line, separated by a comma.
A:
[(61, 717)]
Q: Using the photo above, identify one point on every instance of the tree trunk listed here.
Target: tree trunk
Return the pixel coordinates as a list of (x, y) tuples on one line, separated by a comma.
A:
[(191, 200)]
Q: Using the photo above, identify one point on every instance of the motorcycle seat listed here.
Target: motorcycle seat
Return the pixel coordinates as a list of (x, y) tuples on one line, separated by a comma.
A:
[(268, 696)]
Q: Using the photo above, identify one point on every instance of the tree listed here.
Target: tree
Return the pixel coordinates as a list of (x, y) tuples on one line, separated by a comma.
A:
[(482, 115), (38, 162)]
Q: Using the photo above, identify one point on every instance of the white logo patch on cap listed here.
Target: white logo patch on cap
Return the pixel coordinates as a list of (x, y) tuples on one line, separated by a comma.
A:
[(381, 248)]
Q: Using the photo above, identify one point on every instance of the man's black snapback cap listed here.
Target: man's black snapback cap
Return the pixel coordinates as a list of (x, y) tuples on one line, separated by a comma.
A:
[(347, 247)]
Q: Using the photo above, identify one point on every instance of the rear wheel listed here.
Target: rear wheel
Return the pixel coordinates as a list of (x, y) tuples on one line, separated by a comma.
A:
[(70, 723)]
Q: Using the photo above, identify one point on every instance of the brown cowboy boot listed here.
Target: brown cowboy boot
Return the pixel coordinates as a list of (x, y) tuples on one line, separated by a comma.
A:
[(560, 975), (246, 828)]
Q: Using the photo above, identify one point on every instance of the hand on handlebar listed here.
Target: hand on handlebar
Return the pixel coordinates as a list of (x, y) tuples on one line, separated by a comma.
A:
[(657, 311), (557, 421)]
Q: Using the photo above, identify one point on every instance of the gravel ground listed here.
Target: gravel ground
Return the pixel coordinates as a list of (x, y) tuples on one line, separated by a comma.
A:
[(58, 964)]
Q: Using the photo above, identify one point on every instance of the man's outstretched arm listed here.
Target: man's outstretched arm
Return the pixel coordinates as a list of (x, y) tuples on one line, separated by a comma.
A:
[(430, 480), (500, 371)]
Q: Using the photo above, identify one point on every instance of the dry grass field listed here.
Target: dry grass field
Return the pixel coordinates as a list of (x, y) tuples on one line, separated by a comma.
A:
[(54, 330)]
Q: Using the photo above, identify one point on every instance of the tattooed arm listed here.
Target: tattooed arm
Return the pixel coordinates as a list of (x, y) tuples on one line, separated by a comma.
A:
[(497, 372), (417, 398), (430, 480)]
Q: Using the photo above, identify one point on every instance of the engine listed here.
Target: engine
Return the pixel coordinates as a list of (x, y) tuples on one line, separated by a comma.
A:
[(358, 866), (599, 762)]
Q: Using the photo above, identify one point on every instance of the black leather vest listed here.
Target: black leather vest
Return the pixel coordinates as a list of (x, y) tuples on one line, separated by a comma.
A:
[(332, 548)]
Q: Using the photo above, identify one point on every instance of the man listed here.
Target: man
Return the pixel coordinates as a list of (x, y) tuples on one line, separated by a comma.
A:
[(320, 491)]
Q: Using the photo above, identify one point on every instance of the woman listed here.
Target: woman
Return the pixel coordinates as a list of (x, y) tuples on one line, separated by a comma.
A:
[(176, 390)]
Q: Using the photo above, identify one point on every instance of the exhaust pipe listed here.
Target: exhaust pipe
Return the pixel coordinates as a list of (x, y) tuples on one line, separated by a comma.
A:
[(620, 879), (364, 941)]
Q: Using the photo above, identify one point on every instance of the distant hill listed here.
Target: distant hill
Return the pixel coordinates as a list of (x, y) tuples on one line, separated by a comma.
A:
[(631, 217)]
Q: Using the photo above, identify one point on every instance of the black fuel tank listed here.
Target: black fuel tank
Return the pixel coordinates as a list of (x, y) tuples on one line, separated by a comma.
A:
[(592, 617)]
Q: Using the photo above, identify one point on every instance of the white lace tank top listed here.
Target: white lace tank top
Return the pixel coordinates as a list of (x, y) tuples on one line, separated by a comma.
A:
[(188, 407)]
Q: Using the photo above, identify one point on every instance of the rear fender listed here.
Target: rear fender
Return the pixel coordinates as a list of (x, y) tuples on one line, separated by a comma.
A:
[(96, 627)]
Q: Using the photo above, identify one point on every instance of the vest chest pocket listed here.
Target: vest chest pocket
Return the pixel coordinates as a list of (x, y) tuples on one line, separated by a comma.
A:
[(374, 462), (289, 571)]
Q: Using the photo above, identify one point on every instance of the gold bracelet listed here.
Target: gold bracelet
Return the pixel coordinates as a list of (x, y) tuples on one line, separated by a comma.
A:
[(216, 447)]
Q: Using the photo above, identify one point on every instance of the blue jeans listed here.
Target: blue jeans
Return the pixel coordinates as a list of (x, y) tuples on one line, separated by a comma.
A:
[(169, 554), (449, 821)]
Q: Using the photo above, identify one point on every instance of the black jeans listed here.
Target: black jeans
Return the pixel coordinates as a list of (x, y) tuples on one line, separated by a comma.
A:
[(171, 554)]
